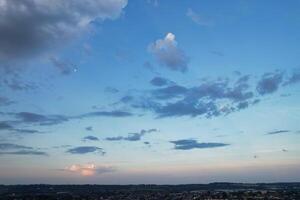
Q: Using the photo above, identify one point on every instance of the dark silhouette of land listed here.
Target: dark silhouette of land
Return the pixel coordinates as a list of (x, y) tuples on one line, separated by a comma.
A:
[(223, 190)]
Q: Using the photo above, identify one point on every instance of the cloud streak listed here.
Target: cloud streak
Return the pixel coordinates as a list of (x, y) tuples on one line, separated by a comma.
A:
[(90, 138), (189, 144), (16, 149), (132, 136), (278, 132), (86, 150)]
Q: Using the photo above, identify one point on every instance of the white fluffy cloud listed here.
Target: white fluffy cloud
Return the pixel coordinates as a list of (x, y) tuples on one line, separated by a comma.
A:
[(29, 26), (168, 54), (89, 169)]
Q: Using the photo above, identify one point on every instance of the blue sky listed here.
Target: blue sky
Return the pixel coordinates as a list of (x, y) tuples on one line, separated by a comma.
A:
[(156, 91)]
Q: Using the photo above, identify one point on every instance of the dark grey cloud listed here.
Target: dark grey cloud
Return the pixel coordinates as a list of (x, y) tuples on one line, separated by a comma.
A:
[(15, 82), (243, 105), (189, 144), (159, 81), (28, 26), (294, 77), (90, 138), (6, 126), (9, 146), (26, 131), (28, 117), (132, 136), (269, 83), (25, 152), (115, 113), (168, 54), (16, 149), (85, 150), (211, 98), (48, 120), (177, 100), (278, 132), (64, 67), (5, 101), (89, 128)]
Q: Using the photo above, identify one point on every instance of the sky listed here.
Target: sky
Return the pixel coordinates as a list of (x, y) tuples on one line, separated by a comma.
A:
[(149, 92)]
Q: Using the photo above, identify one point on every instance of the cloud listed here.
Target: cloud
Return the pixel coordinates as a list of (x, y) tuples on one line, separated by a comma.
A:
[(168, 54), (132, 136), (85, 150), (115, 113), (278, 132), (25, 152), (294, 78), (90, 138), (269, 83), (169, 92), (9, 146), (89, 128), (5, 126), (15, 149), (210, 98), (29, 26), (189, 144), (14, 82), (200, 20), (159, 81), (5, 101), (8, 127), (28, 117), (64, 67), (89, 169), (242, 105), (48, 120)]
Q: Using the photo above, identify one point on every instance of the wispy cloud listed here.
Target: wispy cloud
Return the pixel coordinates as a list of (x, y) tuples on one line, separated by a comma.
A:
[(64, 67), (86, 150), (90, 138), (278, 132), (25, 152), (200, 20), (7, 126), (16, 149), (132, 136), (189, 144), (48, 120), (159, 81)]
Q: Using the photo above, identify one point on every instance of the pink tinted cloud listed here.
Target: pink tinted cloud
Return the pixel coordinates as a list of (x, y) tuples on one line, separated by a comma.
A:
[(89, 169)]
